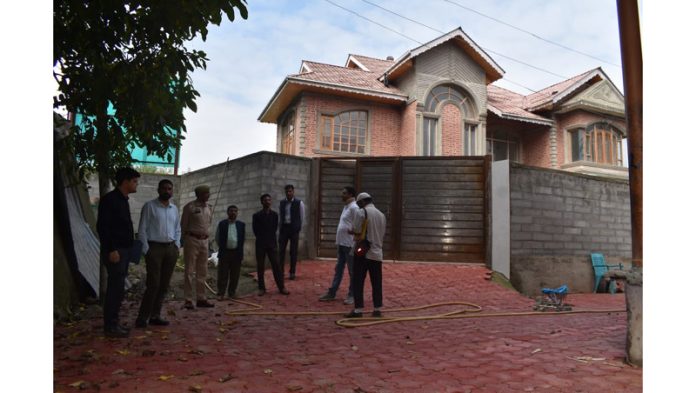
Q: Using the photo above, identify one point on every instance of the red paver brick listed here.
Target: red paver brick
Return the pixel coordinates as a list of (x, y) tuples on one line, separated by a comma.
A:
[(479, 355)]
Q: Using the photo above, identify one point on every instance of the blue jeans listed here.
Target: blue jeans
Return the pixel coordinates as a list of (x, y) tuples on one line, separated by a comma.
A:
[(343, 257)]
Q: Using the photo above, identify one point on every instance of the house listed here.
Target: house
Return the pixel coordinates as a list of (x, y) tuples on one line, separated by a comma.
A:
[(438, 100)]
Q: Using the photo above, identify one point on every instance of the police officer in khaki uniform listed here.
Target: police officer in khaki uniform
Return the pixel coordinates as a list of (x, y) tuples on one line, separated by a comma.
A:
[(196, 220)]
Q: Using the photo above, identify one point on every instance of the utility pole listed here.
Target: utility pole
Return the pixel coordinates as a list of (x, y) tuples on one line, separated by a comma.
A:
[(632, 61)]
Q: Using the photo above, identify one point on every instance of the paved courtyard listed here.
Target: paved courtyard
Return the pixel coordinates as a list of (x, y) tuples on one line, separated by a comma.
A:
[(209, 350)]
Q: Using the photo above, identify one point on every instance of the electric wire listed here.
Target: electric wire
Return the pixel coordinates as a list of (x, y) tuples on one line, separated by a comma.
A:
[(530, 33), (419, 42), (486, 49)]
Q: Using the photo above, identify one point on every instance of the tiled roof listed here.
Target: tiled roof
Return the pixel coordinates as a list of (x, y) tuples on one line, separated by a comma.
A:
[(347, 77), (506, 102), (546, 95), (374, 65)]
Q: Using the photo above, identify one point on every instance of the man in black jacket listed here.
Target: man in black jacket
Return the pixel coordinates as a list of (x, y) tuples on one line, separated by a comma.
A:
[(116, 237), (230, 239), (265, 225)]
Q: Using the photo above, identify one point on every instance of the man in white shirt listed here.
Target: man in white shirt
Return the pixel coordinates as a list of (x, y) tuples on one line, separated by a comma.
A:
[(372, 261), (160, 232), (344, 243)]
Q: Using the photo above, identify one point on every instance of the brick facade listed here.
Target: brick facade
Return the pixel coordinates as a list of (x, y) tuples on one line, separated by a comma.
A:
[(383, 124), (451, 119), (408, 130)]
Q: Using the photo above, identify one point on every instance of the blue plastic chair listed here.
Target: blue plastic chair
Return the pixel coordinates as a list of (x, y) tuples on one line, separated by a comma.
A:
[(600, 267)]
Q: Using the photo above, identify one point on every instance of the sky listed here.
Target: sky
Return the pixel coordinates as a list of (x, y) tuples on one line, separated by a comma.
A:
[(249, 59)]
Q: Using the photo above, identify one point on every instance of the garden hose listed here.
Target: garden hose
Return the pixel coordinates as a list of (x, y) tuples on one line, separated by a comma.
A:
[(471, 311)]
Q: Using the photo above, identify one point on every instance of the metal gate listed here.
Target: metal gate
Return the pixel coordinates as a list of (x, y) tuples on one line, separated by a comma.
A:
[(435, 206)]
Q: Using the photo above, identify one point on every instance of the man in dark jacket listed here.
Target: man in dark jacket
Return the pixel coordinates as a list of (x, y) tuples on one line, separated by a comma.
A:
[(116, 237), (265, 225), (291, 216), (230, 239)]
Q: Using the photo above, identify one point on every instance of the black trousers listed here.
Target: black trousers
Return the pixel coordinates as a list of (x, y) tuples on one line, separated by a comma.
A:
[(159, 262), (272, 253), (115, 286), (286, 233), (361, 266), (229, 267)]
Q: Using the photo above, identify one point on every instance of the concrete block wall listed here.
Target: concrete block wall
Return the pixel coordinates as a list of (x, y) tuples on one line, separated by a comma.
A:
[(147, 190), (557, 219), (245, 180), (238, 182)]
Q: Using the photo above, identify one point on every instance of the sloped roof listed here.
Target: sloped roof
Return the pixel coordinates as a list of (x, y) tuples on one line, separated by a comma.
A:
[(510, 105), (492, 69), (372, 64), (559, 90), (342, 76)]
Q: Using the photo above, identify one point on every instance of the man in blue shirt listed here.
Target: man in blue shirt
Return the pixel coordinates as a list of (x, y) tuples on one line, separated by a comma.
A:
[(160, 233)]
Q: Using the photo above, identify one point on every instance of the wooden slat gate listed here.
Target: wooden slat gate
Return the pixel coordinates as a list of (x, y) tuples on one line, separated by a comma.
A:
[(435, 206)]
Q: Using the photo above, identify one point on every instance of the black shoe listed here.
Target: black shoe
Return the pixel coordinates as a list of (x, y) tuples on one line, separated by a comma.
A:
[(140, 323), (292, 276), (188, 305), (353, 314), (284, 291), (158, 321), (204, 303), (377, 314), (327, 297), (116, 332)]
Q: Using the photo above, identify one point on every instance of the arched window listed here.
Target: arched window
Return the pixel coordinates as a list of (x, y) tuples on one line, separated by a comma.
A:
[(344, 132), (431, 134), (599, 143), (287, 132)]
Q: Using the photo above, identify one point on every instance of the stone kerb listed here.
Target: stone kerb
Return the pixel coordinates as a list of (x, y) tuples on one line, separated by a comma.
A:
[(557, 219)]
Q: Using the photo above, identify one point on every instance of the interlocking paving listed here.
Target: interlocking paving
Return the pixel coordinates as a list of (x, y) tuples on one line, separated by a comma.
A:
[(208, 350)]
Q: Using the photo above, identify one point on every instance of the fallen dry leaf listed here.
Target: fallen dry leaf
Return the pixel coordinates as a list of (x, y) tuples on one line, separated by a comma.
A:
[(268, 371), (293, 388), (79, 384), (122, 352), (226, 378), (119, 371), (195, 388), (409, 343), (354, 348), (182, 359), (196, 372), (165, 377), (536, 350)]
